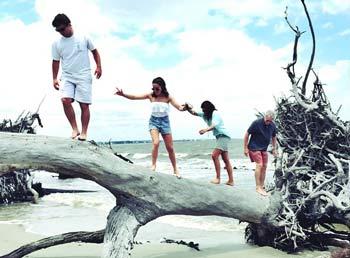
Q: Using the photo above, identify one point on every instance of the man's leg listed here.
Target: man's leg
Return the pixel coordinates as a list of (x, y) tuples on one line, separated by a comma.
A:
[(258, 182), (70, 114), (85, 119), (263, 175), (256, 156), (215, 157), (263, 168)]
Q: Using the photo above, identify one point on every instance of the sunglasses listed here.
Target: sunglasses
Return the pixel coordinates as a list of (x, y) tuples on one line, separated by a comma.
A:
[(61, 29), (156, 89)]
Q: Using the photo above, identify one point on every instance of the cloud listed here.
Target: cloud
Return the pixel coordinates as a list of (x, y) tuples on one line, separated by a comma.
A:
[(327, 25), (199, 57), (344, 33), (337, 80), (335, 6)]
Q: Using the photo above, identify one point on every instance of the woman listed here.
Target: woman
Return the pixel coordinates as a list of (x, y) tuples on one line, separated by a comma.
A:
[(216, 124), (159, 121)]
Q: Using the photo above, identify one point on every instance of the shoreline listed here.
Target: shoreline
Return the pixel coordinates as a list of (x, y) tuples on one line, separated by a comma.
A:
[(212, 245)]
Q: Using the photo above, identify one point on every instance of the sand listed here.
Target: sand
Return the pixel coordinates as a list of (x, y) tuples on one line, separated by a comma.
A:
[(214, 245)]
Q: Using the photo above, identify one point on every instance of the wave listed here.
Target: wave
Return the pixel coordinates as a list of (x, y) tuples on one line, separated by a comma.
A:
[(141, 155), (208, 223), (97, 201)]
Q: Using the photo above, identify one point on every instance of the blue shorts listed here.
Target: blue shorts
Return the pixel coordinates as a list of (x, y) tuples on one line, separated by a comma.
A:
[(162, 124)]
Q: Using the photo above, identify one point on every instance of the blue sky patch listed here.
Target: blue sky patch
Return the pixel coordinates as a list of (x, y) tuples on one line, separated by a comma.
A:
[(23, 10)]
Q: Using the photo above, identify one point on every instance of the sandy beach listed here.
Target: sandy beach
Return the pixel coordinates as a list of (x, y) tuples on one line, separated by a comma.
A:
[(218, 245)]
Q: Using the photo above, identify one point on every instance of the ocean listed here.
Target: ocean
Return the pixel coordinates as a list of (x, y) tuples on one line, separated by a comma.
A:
[(65, 212)]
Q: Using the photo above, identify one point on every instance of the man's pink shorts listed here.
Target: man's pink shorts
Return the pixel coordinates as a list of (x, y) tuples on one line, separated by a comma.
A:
[(259, 157)]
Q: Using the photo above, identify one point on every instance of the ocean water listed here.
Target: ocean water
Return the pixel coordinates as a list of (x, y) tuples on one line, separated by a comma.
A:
[(65, 212)]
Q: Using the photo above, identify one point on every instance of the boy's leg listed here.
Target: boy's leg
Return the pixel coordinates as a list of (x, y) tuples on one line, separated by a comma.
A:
[(85, 119), (70, 114)]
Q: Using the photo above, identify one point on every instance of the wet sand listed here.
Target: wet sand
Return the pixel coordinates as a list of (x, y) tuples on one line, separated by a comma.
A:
[(212, 245)]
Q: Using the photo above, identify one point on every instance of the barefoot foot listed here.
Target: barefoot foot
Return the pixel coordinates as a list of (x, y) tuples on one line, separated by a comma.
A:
[(230, 183), (261, 191), (82, 137), (75, 134), (153, 168), (215, 181), (177, 175)]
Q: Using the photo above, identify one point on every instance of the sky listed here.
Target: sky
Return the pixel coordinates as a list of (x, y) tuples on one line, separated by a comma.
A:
[(230, 52)]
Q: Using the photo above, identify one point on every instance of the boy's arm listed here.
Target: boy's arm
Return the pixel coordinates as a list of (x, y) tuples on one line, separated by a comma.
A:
[(55, 68), (97, 58)]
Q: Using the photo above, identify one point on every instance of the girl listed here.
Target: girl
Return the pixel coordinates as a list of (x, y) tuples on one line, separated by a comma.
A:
[(159, 121), (216, 124)]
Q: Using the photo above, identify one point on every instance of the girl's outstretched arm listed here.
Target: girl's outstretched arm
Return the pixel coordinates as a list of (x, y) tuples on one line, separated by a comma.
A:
[(190, 110), (176, 105), (120, 92)]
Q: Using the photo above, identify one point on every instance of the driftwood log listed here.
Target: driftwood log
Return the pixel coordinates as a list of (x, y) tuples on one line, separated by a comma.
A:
[(141, 195), (311, 193)]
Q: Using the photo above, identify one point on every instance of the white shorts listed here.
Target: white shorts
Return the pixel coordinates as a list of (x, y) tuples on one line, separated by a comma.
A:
[(78, 89)]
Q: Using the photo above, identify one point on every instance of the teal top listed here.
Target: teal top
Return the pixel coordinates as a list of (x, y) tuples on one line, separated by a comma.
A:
[(217, 121)]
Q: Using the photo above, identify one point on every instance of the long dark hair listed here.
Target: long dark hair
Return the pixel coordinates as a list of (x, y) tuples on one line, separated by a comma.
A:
[(208, 109), (161, 83)]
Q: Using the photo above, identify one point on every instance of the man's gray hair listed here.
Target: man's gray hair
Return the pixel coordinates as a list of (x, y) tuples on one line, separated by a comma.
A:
[(270, 113)]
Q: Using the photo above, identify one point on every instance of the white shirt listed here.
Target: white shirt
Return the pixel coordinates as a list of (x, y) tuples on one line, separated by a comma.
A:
[(160, 109), (73, 53)]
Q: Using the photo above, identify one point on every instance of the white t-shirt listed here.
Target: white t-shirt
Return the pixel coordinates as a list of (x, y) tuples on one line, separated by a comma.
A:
[(73, 53)]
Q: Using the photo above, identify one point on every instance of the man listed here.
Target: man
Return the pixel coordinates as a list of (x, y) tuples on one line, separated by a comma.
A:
[(259, 135), (76, 79)]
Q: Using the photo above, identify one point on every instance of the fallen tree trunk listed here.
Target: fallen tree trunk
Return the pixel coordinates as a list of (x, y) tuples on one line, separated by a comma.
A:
[(145, 194), (81, 236), (17, 187)]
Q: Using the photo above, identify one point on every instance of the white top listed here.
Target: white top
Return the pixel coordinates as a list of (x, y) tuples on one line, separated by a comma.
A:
[(160, 109), (73, 53)]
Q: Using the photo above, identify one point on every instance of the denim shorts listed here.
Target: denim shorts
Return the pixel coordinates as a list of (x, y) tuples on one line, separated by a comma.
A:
[(162, 124)]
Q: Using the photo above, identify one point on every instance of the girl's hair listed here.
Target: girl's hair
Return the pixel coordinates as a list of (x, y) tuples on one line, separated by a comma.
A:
[(208, 109), (161, 83)]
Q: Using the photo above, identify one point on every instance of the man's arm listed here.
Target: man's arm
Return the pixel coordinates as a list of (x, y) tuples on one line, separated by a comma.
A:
[(97, 58), (245, 143), (55, 68), (273, 142)]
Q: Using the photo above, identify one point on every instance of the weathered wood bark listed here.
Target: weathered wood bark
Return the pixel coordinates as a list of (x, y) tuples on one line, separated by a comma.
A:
[(158, 193), (81, 236), (121, 229), (16, 187), (147, 195)]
